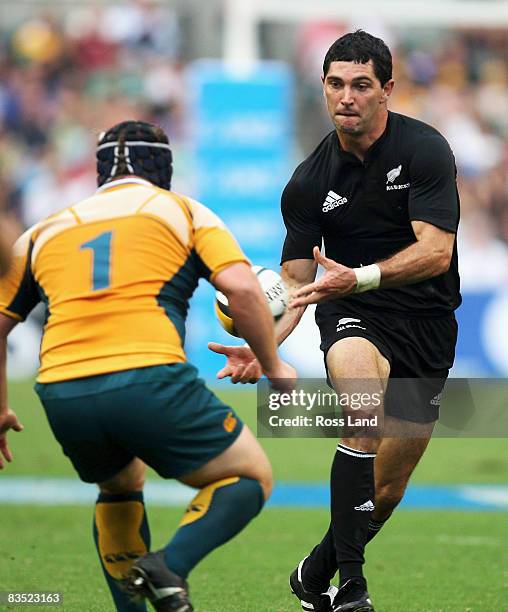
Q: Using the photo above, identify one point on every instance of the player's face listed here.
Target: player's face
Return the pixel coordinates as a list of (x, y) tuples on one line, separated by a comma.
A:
[(354, 96)]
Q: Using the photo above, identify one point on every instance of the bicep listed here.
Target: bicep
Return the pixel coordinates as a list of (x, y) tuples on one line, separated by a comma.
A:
[(7, 324), (429, 234), (237, 277)]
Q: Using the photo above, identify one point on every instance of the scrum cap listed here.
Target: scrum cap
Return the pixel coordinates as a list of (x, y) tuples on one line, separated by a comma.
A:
[(134, 147)]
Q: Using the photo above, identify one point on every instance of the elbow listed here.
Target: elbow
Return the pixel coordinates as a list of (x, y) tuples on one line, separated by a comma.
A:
[(442, 261), (242, 293)]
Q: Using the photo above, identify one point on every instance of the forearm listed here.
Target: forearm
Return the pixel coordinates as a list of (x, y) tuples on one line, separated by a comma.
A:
[(287, 323), (413, 264), (254, 322), (3, 375), (295, 274)]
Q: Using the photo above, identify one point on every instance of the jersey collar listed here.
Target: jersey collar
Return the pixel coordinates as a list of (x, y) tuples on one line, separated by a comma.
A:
[(374, 149), (135, 180)]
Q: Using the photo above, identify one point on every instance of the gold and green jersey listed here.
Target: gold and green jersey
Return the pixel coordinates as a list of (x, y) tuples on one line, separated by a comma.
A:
[(116, 272)]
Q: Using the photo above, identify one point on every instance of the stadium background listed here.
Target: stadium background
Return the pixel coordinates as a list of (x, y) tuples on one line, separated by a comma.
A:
[(70, 69)]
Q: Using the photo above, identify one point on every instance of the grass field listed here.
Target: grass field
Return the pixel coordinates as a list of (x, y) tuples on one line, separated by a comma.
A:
[(422, 562)]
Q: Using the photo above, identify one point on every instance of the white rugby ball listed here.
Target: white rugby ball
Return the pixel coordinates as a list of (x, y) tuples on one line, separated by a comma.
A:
[(274, 290)]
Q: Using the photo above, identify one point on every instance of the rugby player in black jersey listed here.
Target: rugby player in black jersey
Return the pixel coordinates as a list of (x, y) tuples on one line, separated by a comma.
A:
[(380, 192)]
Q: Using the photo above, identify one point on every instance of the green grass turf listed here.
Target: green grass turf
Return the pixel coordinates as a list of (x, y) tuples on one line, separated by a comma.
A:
[(422, 562), (446, 461)]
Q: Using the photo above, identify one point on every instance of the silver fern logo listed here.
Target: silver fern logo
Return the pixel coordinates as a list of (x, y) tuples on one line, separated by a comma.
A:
[(393, 174)]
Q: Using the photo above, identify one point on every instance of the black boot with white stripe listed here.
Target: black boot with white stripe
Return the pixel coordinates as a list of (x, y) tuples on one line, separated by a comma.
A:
[(317, 602), (352, 596), (151, 578)]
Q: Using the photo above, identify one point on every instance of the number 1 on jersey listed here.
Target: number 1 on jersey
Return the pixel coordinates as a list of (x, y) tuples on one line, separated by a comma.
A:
[(101, 248)]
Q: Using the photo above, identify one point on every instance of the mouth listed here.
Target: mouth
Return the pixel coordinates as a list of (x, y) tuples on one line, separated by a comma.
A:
[(347, 114)]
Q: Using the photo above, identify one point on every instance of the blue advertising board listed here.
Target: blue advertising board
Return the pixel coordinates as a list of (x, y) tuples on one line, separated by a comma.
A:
[(242, 142)]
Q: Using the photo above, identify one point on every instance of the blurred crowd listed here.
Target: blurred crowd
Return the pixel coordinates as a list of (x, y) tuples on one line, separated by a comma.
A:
[(65, 79)]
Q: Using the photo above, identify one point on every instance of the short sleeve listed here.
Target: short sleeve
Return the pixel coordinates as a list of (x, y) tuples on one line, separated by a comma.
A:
[(214, 244), (18, 289), (433, 193), (303, 227)]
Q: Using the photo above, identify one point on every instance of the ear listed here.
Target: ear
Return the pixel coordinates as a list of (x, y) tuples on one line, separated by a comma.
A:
[(387, 91)]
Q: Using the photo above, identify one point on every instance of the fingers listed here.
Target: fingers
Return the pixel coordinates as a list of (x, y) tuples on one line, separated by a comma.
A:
[(5, 451), (314, 297), (320, 258), (218, 348), (249, 374), (18, 426), (307, 289), (225, 372)]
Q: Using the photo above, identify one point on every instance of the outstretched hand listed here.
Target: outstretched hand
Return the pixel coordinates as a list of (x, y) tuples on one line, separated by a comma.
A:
[(8, 420), (241, 365), (337, 281)]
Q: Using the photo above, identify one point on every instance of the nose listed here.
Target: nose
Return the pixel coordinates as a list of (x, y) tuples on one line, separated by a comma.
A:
[(347, 96)]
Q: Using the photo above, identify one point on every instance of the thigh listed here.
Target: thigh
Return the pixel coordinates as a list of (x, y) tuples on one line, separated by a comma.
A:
[(356, 357), (357, 368)]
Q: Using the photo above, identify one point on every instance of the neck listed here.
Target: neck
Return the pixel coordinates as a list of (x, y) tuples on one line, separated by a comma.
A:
[(359, 144)]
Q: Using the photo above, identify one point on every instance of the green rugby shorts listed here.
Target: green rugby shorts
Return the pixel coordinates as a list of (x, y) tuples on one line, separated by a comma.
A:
[(165, 415)]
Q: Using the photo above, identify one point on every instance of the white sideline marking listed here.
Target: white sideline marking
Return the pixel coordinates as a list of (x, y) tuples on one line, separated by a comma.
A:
[(70, 491), (496, 496)]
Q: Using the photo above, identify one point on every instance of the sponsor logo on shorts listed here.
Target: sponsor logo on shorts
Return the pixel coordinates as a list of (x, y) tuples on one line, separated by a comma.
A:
[(347, 322), (230, 422), (436, 400)]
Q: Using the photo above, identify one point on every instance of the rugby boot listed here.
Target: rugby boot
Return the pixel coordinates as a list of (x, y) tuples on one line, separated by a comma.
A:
[(151, 578), (317, 602), (352, 596)]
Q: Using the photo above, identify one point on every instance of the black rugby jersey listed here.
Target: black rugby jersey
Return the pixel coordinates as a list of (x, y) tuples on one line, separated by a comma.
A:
[(363, 210)]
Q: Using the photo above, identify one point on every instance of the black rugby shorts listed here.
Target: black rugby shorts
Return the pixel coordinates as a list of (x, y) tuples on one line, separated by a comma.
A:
[(420, 351)]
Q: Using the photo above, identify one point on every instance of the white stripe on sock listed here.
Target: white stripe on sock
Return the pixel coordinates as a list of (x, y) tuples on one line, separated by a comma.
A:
[(354, 453)]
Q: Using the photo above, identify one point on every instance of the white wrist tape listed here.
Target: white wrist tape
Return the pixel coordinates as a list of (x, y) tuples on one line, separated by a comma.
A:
[(367, 278)]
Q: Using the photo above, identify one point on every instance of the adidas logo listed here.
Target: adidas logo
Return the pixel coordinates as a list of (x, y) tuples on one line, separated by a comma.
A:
[(333, 200), (368, 506)]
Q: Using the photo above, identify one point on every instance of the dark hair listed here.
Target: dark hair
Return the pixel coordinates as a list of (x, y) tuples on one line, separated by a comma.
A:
[(134, 147), (360, 47)]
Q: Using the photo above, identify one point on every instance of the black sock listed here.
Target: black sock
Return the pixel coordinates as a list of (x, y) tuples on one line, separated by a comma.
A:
[(352, 497), (321, 566), (375, 528)]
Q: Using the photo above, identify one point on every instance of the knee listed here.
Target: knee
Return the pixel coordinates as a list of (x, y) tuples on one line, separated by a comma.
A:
[(265, 479), (129, 479)]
